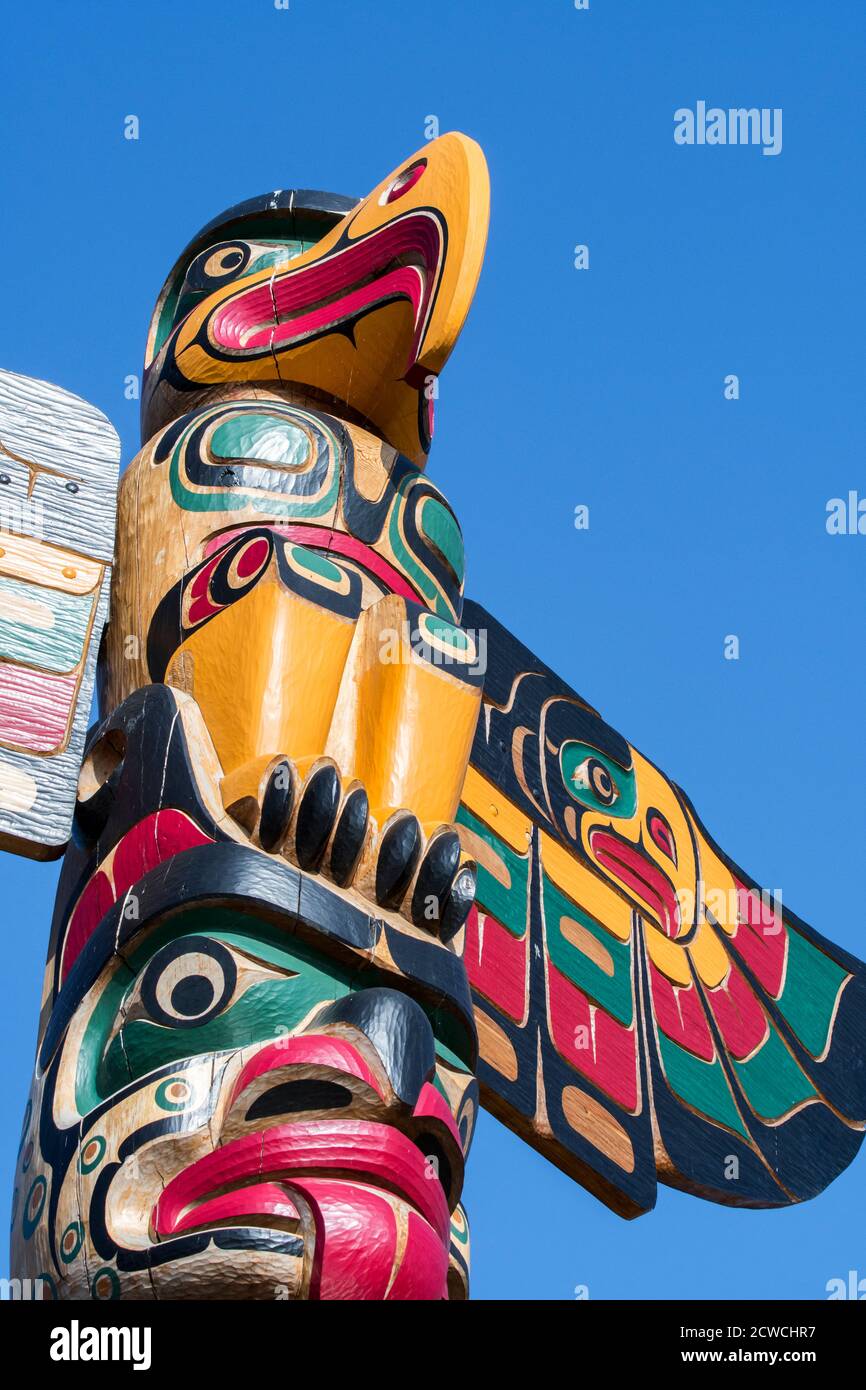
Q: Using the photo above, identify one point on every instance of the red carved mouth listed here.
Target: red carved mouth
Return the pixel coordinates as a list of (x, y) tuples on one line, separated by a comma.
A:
[(332, 543), (259, 1204), (637, 872), (244, 1178), (399, 261)]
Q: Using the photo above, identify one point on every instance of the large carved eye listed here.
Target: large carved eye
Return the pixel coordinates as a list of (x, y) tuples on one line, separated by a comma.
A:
[(596, 780), (225, 261), (188, 982), (217, 265), (594, 776)]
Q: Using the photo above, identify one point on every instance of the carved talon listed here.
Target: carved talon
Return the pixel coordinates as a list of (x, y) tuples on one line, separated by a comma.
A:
[(303, 812), (444, 889), (278, 801), (460, 898), (349, 836), (317, 815), (438, 866), (396, 858)]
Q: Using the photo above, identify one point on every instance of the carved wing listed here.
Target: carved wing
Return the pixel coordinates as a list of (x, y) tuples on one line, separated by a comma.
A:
[(643, 1009), (59, 461)]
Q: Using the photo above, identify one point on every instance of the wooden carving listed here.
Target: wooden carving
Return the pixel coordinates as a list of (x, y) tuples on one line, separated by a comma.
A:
[(643, 1006), (58, 478), (342, 845)]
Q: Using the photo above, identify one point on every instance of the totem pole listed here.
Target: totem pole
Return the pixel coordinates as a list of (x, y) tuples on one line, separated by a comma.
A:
[(340, 850)]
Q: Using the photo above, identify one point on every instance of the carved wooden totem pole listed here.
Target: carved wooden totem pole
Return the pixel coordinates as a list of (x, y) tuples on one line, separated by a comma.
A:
[(340, 848)]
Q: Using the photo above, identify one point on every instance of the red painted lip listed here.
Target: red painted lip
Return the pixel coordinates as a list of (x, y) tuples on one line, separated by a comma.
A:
[(640, 875), (332, 543), (398, 261), (250, 1171), (257, 1204)]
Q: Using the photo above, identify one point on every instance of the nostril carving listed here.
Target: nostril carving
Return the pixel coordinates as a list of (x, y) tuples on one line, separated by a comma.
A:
[(399, 1030), (293, 1097)]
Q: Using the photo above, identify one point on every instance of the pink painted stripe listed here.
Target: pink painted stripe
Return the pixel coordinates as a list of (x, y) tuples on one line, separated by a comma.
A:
[(370, 1153), (431, 1104), (366, 273), (400, 284), (34, 707), (335, 543), (258, 1199), (762, 940), (158, 837)]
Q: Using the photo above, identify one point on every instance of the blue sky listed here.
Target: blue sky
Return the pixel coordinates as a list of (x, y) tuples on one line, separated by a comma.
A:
[(602, 387)]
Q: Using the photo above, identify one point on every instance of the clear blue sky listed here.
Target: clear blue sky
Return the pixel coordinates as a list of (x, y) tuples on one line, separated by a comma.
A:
[(707, 516)]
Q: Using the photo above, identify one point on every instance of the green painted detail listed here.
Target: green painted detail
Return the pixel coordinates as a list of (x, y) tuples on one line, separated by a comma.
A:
[(34, 1204), (439, 525), (572, 755), (278, 255), (97, 1142), (447, 633), (812, 985), (266, 1009), (772, 1081), (505, 902), (174, 308), (264, 437), (164, 1100), (55, 648), (262, 940), (87, 1072), (71, 1241), (319, 564), (438, 1086), (702, 1085), (423, 582), (612, 992), (167, 313), (233, 499), (106, 1277), (461, 1237), (452, 1058)]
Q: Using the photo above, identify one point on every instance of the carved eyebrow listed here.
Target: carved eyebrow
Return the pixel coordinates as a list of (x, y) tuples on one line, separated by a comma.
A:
[(186, 882), (34, 469)]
